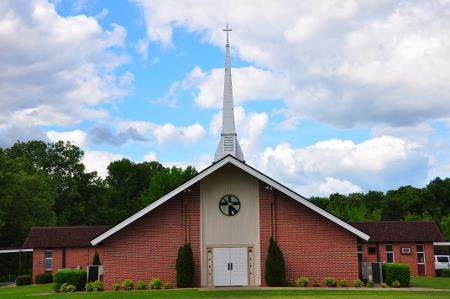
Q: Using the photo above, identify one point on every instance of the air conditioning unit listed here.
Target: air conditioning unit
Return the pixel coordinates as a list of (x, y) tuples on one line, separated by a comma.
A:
[(94, 272), (406, 250)]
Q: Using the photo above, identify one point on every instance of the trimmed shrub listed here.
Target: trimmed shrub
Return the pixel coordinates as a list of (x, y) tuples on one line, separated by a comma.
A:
[(96, 259), (23, 280), (77, 278), (155, 283), (443, 272), (343, 283), (357, 283), (168, 286), (316, 283), (395, 284), (141, 285), (330, 282), (97, 286), (384, 285), (275, 274), (369, 283), (396, 271), (127, 284), (302, 282), (43, 278), (89, 287), (185, 267), (67, 288), (116, 286)]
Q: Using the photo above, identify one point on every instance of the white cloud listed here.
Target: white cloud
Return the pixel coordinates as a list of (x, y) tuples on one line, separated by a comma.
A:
[(76, 137), (328, 186), (142, 48), (345, 63), (249, 83), (56, 70), (378, 163), (99, 161), (151, 156), (166, 133), (198, 162)]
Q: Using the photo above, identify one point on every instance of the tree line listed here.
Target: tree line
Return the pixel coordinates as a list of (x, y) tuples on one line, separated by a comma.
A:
[(408, 203)]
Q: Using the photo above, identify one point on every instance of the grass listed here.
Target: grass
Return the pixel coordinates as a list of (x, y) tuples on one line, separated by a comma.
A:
[(45, 291), (431, 282)]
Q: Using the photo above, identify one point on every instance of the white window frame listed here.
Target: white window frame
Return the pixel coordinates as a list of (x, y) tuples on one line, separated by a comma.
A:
[(360, 252), (422, 252), (48, 259), (387, 252)]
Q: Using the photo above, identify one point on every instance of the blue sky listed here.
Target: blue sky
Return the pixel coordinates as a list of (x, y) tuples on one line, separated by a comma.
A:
[(331, 96)]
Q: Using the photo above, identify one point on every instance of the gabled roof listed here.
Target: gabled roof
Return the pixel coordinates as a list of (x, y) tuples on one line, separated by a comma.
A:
[(401, 231), (248, 169), (62, 236)]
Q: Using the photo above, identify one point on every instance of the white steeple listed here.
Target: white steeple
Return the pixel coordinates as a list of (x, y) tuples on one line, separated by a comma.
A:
[(228, 144)]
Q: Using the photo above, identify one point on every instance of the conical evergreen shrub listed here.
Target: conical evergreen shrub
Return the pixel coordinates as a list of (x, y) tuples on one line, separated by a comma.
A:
[(275, 273), (96, 259), (185, 267)]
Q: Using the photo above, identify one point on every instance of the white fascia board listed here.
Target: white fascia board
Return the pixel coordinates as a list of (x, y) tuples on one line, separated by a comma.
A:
[(249, 170), (159, 202), (300, 199), (16, 250), (441, 243)]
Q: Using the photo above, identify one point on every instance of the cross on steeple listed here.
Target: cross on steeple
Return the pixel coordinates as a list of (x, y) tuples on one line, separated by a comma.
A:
[(227, 30)]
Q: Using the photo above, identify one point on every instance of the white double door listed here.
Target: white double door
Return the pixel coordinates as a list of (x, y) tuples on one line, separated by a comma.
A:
[(230, 266)]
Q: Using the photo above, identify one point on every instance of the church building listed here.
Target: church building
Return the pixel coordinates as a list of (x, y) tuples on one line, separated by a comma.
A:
[(228, 213)]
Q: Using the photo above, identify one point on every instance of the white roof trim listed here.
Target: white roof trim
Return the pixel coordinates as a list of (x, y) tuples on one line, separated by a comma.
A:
[(211, 169), (15, 250), (441, 243)]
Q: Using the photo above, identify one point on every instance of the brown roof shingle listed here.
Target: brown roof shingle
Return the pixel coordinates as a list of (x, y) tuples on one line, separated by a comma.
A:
[(401, 231), (62, 236)]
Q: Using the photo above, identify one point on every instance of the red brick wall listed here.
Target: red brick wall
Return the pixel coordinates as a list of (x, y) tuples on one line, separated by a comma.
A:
[(75, 256), (312, 245), (411, 259), (148, 247)]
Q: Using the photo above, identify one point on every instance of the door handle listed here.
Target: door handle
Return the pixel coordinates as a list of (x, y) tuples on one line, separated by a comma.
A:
[(228, 266), (231, 266)]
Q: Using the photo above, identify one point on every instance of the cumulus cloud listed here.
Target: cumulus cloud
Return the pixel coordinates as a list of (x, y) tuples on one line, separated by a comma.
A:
[(56, 70), (9, 134), (76, 137), (99, 160), (345, 63), (166, 133), (378, 163), (105, 135)]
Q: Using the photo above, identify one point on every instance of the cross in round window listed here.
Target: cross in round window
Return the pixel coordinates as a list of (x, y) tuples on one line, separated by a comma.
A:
[(229, 205)]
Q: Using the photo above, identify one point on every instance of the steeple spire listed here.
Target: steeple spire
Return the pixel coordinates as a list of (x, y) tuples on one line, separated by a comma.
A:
[(228, 144)]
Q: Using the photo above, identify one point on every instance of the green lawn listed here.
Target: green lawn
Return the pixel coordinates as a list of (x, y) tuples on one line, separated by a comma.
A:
[(431, 282), (45, 291)]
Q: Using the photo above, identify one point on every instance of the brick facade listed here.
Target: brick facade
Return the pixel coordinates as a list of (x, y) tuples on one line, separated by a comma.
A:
[(74, 257), (149, 246), (410, 259), (312, 245)]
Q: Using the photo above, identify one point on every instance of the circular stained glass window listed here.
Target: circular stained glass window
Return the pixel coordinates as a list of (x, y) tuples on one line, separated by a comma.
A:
[(229, 205)]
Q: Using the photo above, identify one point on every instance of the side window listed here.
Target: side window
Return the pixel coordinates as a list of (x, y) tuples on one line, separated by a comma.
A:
[(48, 260), (420, 254), (360, 253), (389, 253)]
